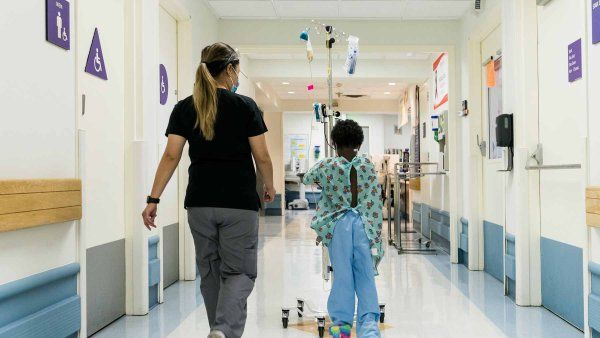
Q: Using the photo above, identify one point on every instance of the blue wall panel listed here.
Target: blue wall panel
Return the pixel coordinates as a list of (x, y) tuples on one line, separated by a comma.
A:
[(42, 305), (463, 243), (425, 229), (153, 271), (510, 268), (594, 298), (493, 239), (562, 280)]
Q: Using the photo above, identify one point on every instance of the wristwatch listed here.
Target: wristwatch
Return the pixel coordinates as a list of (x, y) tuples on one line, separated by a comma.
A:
[(150, 199)]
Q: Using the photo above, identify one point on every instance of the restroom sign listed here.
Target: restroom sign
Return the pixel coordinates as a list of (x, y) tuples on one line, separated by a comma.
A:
[(575, 61), (595, 21), (58, 23), (95, 60), (164, 84)]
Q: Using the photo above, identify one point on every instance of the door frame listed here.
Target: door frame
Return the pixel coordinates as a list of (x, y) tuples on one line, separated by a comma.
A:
[(185, 71), (475, 207)]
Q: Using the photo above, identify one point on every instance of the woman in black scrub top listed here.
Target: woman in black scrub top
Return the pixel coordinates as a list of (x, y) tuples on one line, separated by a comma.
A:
[(226, 136)]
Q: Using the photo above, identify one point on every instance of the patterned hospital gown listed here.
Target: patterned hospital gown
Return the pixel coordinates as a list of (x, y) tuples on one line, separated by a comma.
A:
[(333, 174)]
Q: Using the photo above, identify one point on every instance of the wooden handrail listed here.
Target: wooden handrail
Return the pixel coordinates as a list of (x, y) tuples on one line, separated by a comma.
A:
[(592, 206), (30, 203)]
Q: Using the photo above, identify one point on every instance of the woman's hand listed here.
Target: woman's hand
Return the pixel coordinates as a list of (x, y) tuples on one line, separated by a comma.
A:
[(149, 215), (269, 194)]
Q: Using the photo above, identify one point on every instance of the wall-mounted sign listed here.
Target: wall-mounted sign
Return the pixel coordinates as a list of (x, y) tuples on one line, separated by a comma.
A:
[(575, 61), (440, 78), (58, 23), (595, 21), (95, 60), (164, 84)]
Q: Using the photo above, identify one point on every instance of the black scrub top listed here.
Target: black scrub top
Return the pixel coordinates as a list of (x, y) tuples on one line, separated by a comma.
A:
[(221, 173)]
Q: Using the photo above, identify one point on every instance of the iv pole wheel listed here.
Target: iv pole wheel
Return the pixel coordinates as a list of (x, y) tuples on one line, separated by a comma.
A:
[(321, 324), (382, 313), (300, 307), (285, 317)]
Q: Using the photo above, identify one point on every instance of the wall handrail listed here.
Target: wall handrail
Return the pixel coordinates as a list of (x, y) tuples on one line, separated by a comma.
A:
[(553, 166), (30, 203)]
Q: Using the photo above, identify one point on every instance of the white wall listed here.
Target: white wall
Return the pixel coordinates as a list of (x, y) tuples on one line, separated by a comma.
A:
[(593, 134), (204, 27), (393, 140), (381, 131), (37, 133), (103, 121)]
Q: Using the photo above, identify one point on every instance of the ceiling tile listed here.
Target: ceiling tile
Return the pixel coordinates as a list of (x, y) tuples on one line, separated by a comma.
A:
[(243, 9), (371, 9), (307, 9), (435, 9)]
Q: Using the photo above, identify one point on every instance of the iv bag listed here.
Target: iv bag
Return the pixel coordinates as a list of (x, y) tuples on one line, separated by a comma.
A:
[(350, 65)]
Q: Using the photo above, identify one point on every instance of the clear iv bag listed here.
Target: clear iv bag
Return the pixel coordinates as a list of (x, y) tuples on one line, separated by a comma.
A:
[(350, 65)]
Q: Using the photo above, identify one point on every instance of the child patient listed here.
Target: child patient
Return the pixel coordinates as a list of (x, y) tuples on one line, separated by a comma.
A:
[(348, 222)]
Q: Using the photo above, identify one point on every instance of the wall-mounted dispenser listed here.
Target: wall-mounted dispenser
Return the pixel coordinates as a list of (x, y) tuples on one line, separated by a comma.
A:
[(504, 138)]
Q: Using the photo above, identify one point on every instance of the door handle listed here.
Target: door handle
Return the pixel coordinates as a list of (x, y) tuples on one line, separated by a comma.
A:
[(482, 146)]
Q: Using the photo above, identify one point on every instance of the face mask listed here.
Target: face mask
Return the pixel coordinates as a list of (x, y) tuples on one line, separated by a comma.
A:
[(234, 87)]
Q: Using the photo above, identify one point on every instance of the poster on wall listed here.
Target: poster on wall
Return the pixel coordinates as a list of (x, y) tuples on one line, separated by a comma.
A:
[(164, 84), (575, 61), (440, 81), (298, 146), (95, 60), (595, 21), (58, 24)]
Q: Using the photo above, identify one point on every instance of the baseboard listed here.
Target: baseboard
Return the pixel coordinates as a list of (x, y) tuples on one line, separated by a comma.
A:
[(105, 275), (170, 254)]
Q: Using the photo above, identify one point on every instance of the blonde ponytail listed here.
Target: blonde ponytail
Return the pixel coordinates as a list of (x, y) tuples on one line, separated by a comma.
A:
[(205, 101)]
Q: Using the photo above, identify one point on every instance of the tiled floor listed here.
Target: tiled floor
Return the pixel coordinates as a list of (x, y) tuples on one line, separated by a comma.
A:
[(426, 296)]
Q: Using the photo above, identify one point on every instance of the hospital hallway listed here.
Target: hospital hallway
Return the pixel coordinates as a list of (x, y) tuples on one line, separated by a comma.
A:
[(425, 296), (146, 145)]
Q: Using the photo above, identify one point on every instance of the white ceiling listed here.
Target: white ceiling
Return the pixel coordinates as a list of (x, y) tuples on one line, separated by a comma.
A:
[(339, 55), (375, 89), (341, 9)]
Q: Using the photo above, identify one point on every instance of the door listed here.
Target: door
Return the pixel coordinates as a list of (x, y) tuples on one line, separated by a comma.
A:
[(365, 148), (562, 127), (100, 85), (493, 201), (168, 212)]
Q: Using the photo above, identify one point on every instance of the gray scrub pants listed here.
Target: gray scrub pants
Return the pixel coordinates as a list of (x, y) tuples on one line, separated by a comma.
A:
[(226, 242)]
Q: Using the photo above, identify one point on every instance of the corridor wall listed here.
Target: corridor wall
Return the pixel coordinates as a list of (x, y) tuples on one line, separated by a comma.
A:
[(38, 139)]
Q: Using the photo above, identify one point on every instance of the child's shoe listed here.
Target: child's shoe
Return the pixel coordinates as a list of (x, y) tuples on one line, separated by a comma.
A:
[(340, 331)]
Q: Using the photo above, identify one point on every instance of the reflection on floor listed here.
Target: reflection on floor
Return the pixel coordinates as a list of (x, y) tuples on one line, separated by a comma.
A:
[(426, 296)]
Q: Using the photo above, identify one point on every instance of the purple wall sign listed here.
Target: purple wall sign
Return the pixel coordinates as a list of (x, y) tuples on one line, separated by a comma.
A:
[(164, 84), (595, 21), (95, 60), (58, 23), (575, 61)]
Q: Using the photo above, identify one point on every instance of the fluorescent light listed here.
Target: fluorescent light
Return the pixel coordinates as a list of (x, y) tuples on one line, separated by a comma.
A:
[(386, 93), (291, 92), (285, 83), (392, 83)]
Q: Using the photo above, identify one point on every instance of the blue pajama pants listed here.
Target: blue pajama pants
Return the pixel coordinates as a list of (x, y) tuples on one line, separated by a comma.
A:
[(354, 274)]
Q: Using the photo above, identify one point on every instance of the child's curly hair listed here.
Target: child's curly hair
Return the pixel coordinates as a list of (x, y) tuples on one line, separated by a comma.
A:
[(347, 134)]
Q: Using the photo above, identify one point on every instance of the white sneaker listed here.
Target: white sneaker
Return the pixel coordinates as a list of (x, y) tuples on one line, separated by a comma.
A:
[(216, 334)]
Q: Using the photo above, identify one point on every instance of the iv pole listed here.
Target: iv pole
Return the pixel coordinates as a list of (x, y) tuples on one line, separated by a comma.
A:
[(329, 119)]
